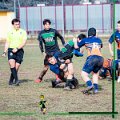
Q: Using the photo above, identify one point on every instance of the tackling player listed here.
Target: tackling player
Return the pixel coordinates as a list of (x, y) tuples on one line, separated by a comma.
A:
[(94, 61)]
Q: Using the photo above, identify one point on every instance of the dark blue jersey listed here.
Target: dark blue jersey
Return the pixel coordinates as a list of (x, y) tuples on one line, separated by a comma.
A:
[(55, 68), (49, 39), (93, 45), (115, 36)]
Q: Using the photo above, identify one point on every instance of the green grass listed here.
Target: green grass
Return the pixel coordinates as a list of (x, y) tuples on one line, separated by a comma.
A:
[(22, 102)]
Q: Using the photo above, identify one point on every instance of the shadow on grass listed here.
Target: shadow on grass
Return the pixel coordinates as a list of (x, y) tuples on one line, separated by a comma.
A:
[(25, 80), (84, 86), (61, 85), (49, 80)]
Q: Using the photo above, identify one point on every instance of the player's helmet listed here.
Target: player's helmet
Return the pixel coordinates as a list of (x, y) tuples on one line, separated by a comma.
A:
[(91, 32), (81, 36)]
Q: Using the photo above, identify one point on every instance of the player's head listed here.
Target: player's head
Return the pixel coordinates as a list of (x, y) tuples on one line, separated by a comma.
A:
[(91, 32), (16, 23), (80, 37), (51, 59), (118, 25), (41, 97), (46, 23)]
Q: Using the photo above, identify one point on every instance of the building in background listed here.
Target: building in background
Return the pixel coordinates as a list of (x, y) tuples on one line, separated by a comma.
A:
[(5, 22)]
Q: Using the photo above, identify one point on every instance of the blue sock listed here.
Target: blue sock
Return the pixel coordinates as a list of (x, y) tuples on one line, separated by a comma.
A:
[(89, 83), (95, 87)]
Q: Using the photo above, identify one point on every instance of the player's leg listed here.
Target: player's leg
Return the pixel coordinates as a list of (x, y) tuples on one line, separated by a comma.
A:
[(19, 60), (60, 79), (69, 80), (85, 77), (59, 73), (17, 66), (12, 64), (95, 81), (43, 72), (73, 80), (99, 63), (87, 69)]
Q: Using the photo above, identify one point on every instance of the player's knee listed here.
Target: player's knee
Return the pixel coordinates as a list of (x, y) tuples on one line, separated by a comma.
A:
[(83, 73)]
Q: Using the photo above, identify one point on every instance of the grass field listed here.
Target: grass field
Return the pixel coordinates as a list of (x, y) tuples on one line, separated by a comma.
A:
[(21, 102)]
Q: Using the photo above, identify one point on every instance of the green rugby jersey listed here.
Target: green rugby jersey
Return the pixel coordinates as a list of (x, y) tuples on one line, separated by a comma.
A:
[(49, 39)]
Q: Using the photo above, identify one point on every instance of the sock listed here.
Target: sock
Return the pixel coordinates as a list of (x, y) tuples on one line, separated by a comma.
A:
[(68, 83), (14, 72), (11, 78), (95, 87), (74, 81), (89, 83)]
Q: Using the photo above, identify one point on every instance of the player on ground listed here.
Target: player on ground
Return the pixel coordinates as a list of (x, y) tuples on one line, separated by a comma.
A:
[(61, 64), (105, 71)]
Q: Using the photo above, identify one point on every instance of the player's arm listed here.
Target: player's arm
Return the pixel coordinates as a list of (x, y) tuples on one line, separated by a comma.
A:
[(7, 43), (75, 43), (77, 53), (41, 44), (81, 43), (6, 48), (40, 104), (110, 49), (60, 36), (101, 43), (110, 44)]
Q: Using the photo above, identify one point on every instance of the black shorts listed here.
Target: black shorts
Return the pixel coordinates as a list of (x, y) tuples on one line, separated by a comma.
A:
[(18, 56)]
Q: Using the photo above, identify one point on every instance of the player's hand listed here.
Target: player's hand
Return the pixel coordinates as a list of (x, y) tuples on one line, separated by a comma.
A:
[(67, 61), (4, 54), (44, 54), (74, 40), (62, 66), (14, 50)]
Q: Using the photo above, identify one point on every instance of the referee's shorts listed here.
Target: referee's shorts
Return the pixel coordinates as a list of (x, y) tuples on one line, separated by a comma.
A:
[(18, 56)]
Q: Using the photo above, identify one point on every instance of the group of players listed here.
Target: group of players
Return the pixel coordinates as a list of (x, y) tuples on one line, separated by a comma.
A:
[(60, 60)]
